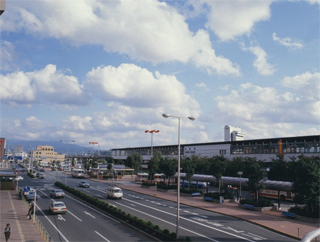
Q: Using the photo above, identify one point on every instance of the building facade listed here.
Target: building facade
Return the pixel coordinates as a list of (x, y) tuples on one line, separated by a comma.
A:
[(45, 154), (263, 149), (2, 147)]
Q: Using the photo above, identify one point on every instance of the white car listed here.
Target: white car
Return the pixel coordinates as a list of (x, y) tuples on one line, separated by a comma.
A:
[(19, 178), (58, 207), (114, 192)]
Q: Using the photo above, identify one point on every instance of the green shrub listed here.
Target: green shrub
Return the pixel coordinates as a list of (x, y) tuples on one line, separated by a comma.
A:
[(148, 183), (216, 195), (260, 203), (164, 186), (303, 211), (156, 227), (166, 232), (190, 191)]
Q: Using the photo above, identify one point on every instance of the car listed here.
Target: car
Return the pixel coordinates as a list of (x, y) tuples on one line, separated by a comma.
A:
[(58, 207), (19, 178), (57, 193), (31, 196), (42, 170), (40, 175), (114, 192), (84, 184)]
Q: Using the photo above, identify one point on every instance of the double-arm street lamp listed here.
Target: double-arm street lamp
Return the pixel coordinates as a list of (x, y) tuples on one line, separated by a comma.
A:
[(178, 180), (152, 131), (66, 141)]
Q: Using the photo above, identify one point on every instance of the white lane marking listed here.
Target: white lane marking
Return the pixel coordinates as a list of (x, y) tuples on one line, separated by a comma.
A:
[(257, 237), (100, 196), (94, 209), (222, 231), (102, 236), (89, 214), (65, 239), (75, 216), (61, 218), (172, 224)]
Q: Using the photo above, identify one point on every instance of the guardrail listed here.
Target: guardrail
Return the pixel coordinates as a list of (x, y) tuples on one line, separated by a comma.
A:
[(46, 236)]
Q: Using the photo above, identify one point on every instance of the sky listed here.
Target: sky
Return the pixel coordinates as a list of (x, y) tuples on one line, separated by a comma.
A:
[(106, 70)]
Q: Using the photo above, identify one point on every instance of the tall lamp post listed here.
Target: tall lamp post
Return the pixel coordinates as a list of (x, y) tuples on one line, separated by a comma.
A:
[(240, 174), (66, 141), (178, 180), (152, 131)]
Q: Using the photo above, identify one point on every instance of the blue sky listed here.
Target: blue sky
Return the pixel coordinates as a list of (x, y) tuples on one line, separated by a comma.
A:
[(104, 71)]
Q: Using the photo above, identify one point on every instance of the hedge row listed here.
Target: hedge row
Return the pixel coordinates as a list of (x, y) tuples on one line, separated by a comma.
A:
[(259, 203), (141, 224)]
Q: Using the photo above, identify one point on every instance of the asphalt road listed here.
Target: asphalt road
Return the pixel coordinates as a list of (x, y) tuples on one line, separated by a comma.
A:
[(85, 224)]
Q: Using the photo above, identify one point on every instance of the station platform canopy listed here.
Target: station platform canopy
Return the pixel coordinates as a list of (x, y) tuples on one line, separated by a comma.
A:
[(235, 181)]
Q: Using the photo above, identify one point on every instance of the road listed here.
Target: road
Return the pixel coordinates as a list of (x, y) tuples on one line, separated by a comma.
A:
[(198, 224)]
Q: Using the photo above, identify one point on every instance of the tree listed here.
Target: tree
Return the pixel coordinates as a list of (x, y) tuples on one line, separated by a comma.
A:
[(254, 173), (202, 165), (168, 166), (279, 169), (134, 161), (110, 160), (153, 165), (233, 166), (306, 184), (188, 166), (218, 165)]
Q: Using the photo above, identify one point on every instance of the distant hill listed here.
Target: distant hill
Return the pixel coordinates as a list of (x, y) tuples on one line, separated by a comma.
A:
[(60, 147)]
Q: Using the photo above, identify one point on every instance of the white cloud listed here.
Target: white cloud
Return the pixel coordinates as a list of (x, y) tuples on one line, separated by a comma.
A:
[(7, 56), (132, 85), (41, 86), (146, 30), (314, 1), (252, 106), (203, 86), (229, 19), (287, 42), (307, 86), (261, 63)]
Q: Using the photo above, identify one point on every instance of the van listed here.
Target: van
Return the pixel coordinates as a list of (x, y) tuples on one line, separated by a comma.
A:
[(114, 192)]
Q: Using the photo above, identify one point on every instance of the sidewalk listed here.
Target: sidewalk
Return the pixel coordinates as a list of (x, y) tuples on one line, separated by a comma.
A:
[(271, 220), (14, 211)]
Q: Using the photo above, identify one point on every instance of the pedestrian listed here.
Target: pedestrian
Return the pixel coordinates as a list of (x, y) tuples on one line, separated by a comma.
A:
[(31, 210), (7, 232)]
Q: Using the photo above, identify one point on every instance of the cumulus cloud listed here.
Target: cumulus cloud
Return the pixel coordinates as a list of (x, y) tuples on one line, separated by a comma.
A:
[(7, 56), (261, 63), (256, 107), (147, 30), (41, 86), (132, 85), (287, 42), (229, 19), (203, 86)]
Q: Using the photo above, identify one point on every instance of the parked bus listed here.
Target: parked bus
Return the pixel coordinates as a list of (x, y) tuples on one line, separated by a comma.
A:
[(78, 173), (142, 177), (284, 196)]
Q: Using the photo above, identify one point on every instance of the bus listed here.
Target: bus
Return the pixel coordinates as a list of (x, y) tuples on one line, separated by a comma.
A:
[(284, 196), (142, 177), (78, 173)]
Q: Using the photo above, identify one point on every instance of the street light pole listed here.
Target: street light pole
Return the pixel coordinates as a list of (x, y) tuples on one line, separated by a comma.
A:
[(240, 174), (178, 180), (152, 131), (66, 141)]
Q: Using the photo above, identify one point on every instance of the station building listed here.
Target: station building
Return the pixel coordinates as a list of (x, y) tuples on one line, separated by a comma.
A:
[(261, 149)]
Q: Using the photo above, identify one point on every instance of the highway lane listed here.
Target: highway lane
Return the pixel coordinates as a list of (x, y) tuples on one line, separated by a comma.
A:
[(81, 222), (200, 225)]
